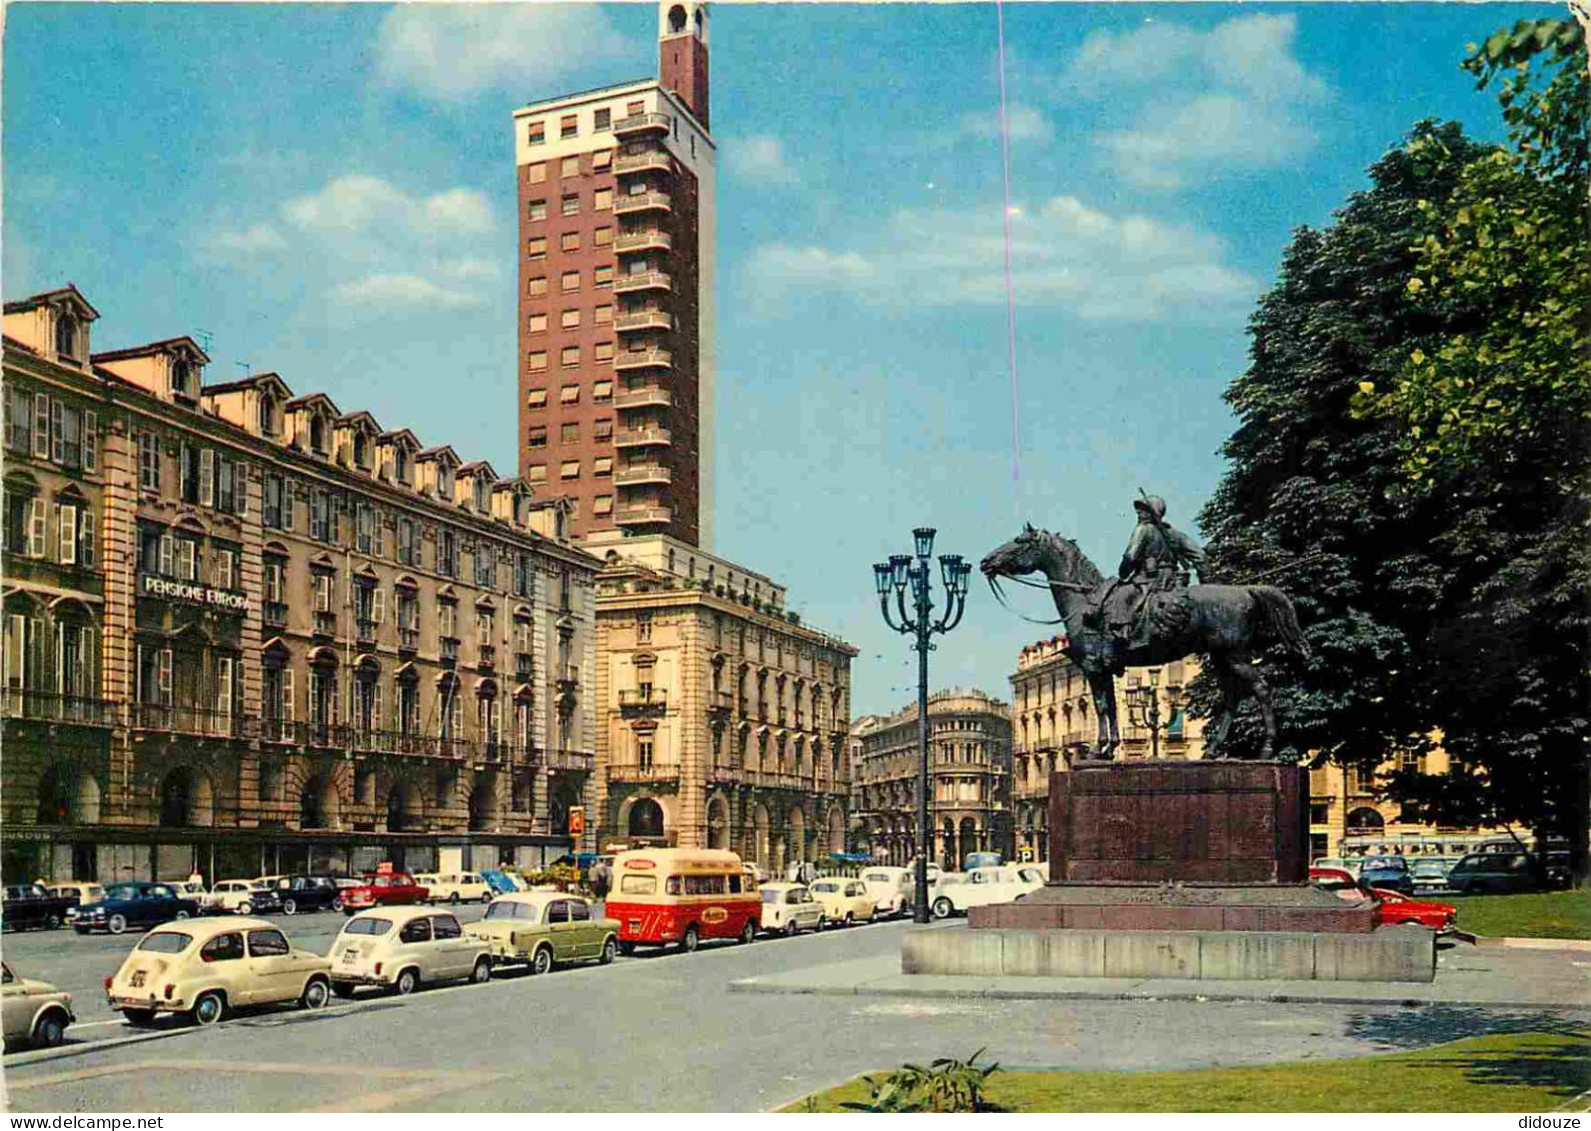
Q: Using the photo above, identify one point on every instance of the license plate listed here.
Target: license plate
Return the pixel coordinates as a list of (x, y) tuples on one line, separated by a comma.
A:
[(635, 924), (134, 1003), (350, 957)]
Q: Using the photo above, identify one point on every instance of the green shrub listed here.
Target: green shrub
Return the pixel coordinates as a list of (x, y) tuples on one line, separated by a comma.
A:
[(946, 1085)]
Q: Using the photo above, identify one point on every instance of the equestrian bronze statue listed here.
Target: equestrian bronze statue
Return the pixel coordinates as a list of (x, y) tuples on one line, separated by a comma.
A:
[(1149, 615)]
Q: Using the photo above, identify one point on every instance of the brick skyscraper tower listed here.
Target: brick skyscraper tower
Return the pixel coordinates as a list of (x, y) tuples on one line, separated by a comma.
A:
[(616, 214)]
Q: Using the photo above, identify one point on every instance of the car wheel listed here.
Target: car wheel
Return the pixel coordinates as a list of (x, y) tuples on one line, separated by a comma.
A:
[(210, 1008), (139, 1018), (50, 1030), (52, 922), (316, 994), (180, 915), (116, 924), (823, 921), (943, 908), (486, 897), (408, 981), (289, 907), (453, 899), (342, 990), (691, 939), (245, 908), (541, 962), (850, 920), (337, 904), (792, 928), (609, 949), (748, 933), (482, 973)]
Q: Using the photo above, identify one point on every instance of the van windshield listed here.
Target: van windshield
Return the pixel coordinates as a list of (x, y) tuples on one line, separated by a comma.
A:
[(638, 885)]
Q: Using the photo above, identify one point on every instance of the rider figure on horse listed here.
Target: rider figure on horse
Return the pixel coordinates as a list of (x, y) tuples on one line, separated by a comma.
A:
[(1158, 558)]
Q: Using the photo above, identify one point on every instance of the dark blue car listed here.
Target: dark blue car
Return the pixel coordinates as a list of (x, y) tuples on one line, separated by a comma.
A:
[(133, 904)]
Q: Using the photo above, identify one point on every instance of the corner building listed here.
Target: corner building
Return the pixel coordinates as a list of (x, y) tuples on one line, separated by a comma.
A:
[(247, 632), (616, 211), (969, 772), (722, 718)]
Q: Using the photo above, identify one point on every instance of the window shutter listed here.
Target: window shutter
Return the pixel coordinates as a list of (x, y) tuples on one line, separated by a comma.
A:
[(206, 477), (185, 473), (85, 538), (66, 532), (223, 688), (378, 606), (168, 553), (58, 431), (379, 534), (38, 528), (60, 658), (376, 720), (287, 503), (41, 426), (164, 676), (240, 488), (289, 703), (91, 440)]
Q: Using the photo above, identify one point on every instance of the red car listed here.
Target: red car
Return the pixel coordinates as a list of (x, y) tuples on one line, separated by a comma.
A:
[(1393, 908), (383, 888)]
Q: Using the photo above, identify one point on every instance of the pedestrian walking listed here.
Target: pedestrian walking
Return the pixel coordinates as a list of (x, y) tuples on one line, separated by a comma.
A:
[(601, 878)]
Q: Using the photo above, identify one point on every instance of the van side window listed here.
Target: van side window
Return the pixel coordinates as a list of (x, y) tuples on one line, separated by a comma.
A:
[(638, 885), (734, 885), (672, 886)]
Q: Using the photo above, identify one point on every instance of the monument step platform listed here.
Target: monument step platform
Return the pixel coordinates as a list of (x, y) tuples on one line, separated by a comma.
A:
[(1178, 907), (1387, 954)]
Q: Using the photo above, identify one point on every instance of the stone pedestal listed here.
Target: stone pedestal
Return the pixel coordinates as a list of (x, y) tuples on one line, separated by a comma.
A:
[(1192, 822)]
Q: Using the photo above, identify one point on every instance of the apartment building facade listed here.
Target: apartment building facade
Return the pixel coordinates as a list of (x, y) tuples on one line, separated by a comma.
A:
[(969, 768), (617, 203), (247, 632), (722, 718)]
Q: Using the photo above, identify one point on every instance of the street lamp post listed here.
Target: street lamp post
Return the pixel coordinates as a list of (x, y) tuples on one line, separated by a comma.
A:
[(1143, 707), (895, 574)]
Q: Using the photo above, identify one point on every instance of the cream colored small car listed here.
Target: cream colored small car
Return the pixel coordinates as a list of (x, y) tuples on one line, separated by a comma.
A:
[(403, 948), (241, 897), (844, 901), (35, 1012), (790, 908), (206, 967), (455, 887)]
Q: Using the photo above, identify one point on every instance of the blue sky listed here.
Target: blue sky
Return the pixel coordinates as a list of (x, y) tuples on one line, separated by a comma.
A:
[(329, 192)]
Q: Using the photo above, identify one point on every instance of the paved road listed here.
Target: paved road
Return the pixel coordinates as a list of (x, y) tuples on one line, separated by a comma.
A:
[(660, 1033)]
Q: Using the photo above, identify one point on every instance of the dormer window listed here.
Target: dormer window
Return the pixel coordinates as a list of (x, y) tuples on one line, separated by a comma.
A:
[(317, 434), (400, 465), (444, 481), (267, 415), (65, 335), (480, 490), (184, 381), (361, 451)]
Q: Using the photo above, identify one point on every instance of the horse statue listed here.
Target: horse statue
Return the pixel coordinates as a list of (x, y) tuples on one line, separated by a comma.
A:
[(1224, 622)]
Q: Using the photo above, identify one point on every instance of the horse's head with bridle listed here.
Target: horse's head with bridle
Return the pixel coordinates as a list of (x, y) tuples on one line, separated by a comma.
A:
[(1039, 551)]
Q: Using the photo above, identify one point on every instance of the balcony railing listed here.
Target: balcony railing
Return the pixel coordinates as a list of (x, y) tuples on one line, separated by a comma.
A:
[(650, 240), (569, 678), (644, 320), (408, 639), (47, 706), (643, 438), (365, 630), (641, 516), (643, 281), (625, 204), (640, 123), (523, 668), (777, 779), (185, 720), (325, 624), (449, 648), (648, 396), (274, 729), (568, 760), (645, 473), (719, 701), (488, 654), (643, 359), (634, 773), (643, 162), (640, 704), (274, 614)]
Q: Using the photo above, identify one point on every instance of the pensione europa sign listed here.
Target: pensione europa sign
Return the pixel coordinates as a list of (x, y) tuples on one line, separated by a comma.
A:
[(193, 593)]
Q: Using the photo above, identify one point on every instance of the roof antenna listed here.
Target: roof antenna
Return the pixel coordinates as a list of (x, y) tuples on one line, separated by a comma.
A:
[(248, 369), (206, 339)]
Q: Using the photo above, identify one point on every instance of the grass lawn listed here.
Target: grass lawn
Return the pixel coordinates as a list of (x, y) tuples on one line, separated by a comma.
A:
[(1537, 915), (1501, 1072)]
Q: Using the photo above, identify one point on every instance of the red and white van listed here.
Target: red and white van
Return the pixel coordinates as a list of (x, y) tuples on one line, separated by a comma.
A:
[(681, 896)]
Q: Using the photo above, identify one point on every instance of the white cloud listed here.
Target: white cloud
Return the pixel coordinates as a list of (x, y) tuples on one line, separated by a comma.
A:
[(1023, 123), (761, 159), (470, 268), (401, 290), (459, 210), (253, 240), (448, 52), (358, 203), (1199, 103), (1065, 254)]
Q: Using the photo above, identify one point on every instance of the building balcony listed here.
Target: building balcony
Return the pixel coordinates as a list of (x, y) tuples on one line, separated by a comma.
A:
[(644, 320), (523, 667), (642, 474), (654, 775), (651, 396), (486, 655), (186, 720), (637, 202), (325, 624), (448, 649), (719, 703), (274, 614), (777, 779), (458, 749), (643, 438), (46, 706), (653, 160), (640, 704), (288, 731), (643, 281), (650, 240), (637, 125), (569, 679), (408, 639), (365, 630), (643, 359), (574, 760), (641, 516)]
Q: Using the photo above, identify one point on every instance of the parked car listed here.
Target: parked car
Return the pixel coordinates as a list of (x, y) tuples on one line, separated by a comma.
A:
[(981, 860), (243, 897), (983, 886), (192, 889), (207, 968), (383, 889), (1481, 872), (133, 904), (499, 881), (455, 887), (34, 1012), (1393, 908), (308, 893), (77, 893), (935, 874), (32, 905), (844, 901), (540, 929), (1400, 880), (404, 948), (790, 908), (1349, 864), (890, 888), (1430, 874)]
